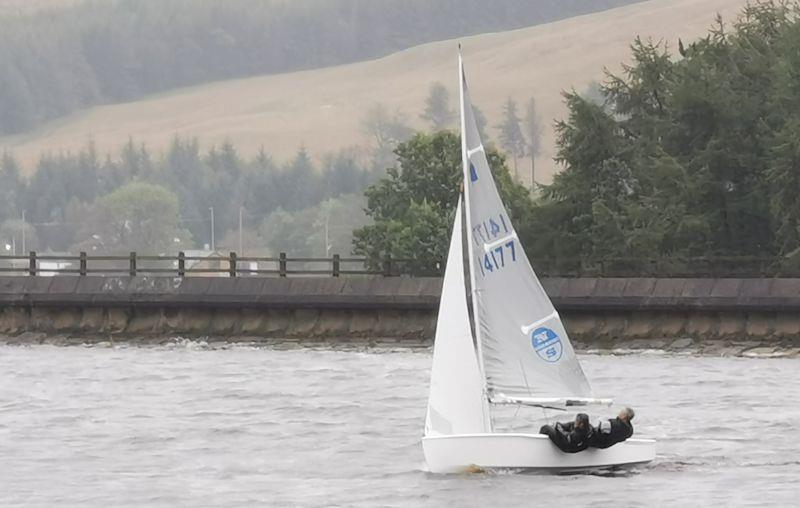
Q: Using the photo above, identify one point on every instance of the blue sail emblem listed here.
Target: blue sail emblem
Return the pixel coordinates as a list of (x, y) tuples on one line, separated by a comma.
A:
[(473, 173), (547, 344)]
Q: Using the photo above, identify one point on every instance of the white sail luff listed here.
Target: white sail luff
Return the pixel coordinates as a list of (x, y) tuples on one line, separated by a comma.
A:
[(467, 215), (456, 401)]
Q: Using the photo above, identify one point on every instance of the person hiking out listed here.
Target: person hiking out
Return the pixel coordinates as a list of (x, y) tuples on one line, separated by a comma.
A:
[(570, 437), (613, 430)]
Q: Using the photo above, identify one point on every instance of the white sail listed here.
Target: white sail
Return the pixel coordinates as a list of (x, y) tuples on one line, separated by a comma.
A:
[(456, 404), (525, 351)]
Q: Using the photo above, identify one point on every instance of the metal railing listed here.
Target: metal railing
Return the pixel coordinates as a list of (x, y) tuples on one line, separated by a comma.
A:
[(234, 265), (182, 265)]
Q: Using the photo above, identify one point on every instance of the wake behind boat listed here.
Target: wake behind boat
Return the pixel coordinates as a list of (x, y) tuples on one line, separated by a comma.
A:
[(519, 352)]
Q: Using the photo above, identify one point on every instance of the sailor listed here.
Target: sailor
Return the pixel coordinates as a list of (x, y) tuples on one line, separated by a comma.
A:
[(614, 430), (570, 437)]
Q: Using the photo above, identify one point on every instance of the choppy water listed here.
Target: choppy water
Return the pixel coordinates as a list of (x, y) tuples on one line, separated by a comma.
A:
[(189, 426)]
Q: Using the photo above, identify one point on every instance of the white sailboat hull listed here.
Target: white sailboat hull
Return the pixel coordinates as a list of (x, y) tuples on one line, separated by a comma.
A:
[(458, 453)]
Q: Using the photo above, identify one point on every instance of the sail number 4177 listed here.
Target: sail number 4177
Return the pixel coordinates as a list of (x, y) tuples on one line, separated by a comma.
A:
[(497, 258)]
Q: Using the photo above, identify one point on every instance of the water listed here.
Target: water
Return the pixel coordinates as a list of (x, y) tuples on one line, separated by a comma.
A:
[(192, 426)]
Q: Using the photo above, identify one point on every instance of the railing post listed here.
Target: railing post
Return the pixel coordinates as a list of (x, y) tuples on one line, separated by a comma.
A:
[(232, 264), (83, 270), (132, 270), (336, 262), (32, 263), (181, 264), (387, 266), (282, 264)]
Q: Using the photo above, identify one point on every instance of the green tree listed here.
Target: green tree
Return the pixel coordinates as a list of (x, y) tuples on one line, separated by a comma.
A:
[(386, 130), (784, 177), (140, 217), (511, 137), (10, 187), (533, 136), (437, 107), (412, 207)]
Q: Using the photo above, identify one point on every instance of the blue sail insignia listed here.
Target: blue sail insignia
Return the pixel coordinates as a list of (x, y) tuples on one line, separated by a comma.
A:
[(547, 344)]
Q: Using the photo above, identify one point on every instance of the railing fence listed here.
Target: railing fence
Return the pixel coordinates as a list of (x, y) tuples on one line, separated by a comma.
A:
[(182, 265), (234, 265)]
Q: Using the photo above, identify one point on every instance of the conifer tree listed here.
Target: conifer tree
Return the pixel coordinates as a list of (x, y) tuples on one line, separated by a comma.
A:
[(437, 107), (533, 136), (511, 138)]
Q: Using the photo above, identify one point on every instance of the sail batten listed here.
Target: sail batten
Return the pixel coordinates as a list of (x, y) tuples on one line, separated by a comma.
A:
[(523, 349)]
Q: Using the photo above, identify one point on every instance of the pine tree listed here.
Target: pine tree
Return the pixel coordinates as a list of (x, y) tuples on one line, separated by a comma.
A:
[(437, 107), (10, 186), (511, 138), (533, 134), (386, 130)]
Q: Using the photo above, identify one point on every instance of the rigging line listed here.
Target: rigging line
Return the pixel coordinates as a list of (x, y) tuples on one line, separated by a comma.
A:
[(525, 378), (514, 419)]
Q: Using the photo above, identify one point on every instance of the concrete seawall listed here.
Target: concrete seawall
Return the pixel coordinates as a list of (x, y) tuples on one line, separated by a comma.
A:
[(721, 314)]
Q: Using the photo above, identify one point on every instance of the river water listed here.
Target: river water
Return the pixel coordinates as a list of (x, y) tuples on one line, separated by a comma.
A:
[(189, 425)]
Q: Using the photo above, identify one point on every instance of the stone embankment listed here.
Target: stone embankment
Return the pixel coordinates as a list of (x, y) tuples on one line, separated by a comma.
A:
[(750, 317)]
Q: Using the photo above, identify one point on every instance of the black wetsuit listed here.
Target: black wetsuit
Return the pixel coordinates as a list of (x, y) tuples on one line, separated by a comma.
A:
[(567, 438), (610, 432)]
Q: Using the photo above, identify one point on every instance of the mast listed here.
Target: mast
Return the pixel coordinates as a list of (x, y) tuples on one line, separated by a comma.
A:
[(470, 248)]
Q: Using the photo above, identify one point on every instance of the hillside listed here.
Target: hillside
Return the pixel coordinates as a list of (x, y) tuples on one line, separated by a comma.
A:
[(100, 52), (322, 109)]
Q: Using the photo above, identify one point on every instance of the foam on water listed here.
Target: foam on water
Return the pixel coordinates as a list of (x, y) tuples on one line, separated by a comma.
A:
[(202, 423)]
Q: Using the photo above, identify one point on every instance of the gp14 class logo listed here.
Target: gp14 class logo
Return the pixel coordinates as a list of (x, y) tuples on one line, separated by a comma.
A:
[(547, 344)]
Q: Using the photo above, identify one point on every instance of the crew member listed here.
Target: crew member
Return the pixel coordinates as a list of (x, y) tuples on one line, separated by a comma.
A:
[(570, 437), (614, 430)]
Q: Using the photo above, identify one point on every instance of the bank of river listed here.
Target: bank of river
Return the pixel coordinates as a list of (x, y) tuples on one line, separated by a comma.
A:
[(745, 347), (210, 424)]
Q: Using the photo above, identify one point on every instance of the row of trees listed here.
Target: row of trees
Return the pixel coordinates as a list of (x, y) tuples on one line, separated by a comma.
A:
[(156, 204), (55, 62), (688, 157), (676, 158), (518, 136), (103, 204)]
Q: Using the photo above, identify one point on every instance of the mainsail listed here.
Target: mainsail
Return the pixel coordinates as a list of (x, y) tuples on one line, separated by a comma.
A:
[(456, 404), (525, 351)]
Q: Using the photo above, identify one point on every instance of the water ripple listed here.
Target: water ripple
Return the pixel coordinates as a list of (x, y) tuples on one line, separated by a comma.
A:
[(193, 423)]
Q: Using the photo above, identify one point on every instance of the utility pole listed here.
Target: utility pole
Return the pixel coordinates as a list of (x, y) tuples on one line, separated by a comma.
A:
[(327, 241), (241, 249), (213, 243), (23, 231)]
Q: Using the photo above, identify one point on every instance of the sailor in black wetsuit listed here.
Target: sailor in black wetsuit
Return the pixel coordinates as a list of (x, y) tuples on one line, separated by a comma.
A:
[(570, 437), (612, 431)]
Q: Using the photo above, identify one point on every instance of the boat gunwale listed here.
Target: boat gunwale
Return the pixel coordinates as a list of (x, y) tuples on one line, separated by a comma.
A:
[(639, 441)]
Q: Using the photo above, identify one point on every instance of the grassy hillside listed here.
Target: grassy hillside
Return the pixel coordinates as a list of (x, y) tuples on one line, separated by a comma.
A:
[(322, 109), (62, 60)]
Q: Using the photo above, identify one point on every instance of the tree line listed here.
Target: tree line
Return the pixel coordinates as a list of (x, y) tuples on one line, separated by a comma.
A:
[(694, 154), (137, 201), (54, 62), (519, 136), (161, 203)]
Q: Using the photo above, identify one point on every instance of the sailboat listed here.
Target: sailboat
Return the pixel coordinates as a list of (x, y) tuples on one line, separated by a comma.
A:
[(512, 349)]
